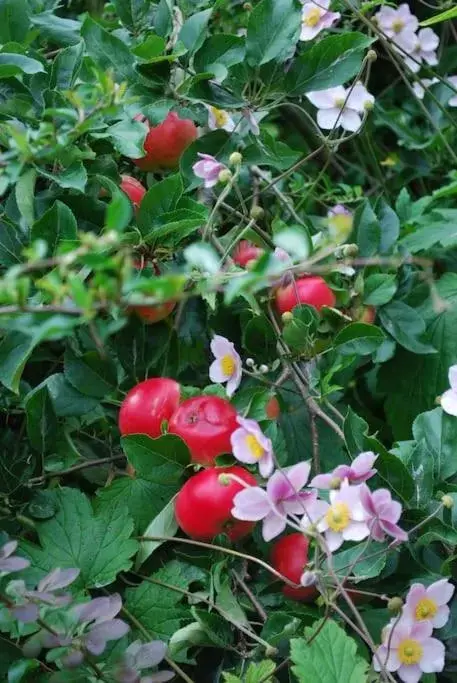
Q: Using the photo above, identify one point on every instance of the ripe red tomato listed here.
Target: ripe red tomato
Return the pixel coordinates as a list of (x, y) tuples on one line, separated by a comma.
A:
[(133, 189), (272, 409), (203, 505), (312, 290), (205, 424), (289, 556), (147, 405), (246, 251), (165, 143)]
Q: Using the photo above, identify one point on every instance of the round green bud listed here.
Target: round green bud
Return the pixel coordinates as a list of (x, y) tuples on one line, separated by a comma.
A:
[(372, 56), (350, 250), (257, 213), (287, 317), (447, 501), (235, 159), (225, 176), (395, 605)]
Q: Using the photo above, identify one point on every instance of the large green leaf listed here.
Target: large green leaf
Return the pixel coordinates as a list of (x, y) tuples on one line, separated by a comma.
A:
[(12, 242), (14, 20), (273, 30), (331, 657), (158, 608), (108, 51), (438, 431), (90, 374), (194, 30), (41, 419), (406, 326), (159, 467), (412, 382), (12, 64), (98, 543), (56, 226), (66, 66), (330, 62), (222, 49)]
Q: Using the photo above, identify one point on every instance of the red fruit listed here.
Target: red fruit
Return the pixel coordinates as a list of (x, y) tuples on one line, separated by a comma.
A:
[(204, 504), (147, 405), (244, 252), (133, 189), (205, 424), (272, 408), (367, 315), (312, 290), (165, 143), (153, 314), (289, 556)]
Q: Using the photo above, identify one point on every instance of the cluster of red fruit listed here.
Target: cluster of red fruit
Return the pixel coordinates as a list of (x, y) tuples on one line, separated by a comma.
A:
[(203, 505)]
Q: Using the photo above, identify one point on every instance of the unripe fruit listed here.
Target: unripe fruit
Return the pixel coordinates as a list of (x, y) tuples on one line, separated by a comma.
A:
[(205, 424), (133, 189), (204, 505), (147, 405), (246, 251), (165, 143), (312, 290), (272, 409), (235, 159), (289, 557)]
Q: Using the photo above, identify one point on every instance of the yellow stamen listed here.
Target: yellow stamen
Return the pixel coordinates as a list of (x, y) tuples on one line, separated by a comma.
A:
[(313, 17), (398, 25), (228, 365), (220, 117), (254, 446), (410, 651), (426, 609), (340, 102), (338, 516)]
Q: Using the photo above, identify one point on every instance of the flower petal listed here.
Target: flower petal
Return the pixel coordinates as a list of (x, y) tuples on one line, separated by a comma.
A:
[(251, 504), (273, 525)]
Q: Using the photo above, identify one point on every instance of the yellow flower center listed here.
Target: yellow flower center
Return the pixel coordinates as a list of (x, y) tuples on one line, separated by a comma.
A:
[(313, 17), (338, 516), (254, 446), (340, 102), (398, 25), (220, 117), (228, 365), (410, 651), (426, 609)]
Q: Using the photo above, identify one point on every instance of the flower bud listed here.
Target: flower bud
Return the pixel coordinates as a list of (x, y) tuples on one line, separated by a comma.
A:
[(287, 317), (247, 7), (395, 605), (372, 56), (235, 159), (263, 368), (250, 362), (350, 250), (257, 213), (447, 501), (225, 176)]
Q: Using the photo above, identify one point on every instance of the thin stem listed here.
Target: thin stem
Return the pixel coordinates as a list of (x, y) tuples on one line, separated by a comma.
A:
[(76, 468), (261, 612)]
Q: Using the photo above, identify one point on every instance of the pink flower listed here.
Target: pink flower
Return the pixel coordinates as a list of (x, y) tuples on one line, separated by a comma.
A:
[(424, 49), (341, 107), (429, 604), (227, 367), (357, 472), (397, 22), (342, 520), (250, 445), (449, 398), (409, 650), (315, 18), (382, 514), (208, 169), (283, 496), (419, 87)]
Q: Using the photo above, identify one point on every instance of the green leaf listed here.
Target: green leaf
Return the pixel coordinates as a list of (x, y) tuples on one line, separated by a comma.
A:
[(194, 30), (273, 30), (13, 64), (367, 562), (159, 466), (128, 137), (14, 20), (406, 326), (379, 289), (259, 339), (161, 198), (74, 177), (57, 226), (57, 29), (222, 49), (158, 608), (90, 374), (131, 12), (438, 432), (359, 339), (367, 229), (66, 67), (448, 14), (260, 671), (413, 382), (41, 418), (390, 227), (67, 401), (108, 51), (420, 462), (98, 543), (25, 199), (164, 524), (217, 629), (330, 658), (12, 242), (151, 48), (15, 350), (330, 62)]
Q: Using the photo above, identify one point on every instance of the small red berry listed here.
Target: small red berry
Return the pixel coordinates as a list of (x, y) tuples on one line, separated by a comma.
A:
[(165, 143)]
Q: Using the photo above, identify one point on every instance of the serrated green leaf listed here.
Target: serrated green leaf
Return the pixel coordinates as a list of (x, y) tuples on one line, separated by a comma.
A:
[(56, 226), (359, 339), (273, 30), (330, 658), (163, 524)]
